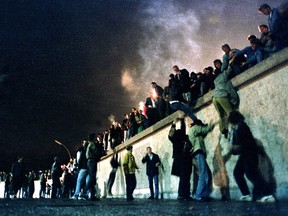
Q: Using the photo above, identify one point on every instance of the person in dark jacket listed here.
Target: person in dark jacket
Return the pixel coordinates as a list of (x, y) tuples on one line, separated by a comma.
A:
[(43, 181), (82, 178), (94, 152), (175, 99), (244, 145), (18, 175), (182, 163), (8, 179), (114, 164), (56, 172), (152, 161), (31, 186), (278, 23)]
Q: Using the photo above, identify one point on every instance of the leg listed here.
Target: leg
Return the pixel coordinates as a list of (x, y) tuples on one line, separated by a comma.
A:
[(134, 182), (223, 107), (129, 186), (156, 186), (80, 181), (185, 108), (239, 171), (111, 179), (185, 174), (195, 178), (54, 189), (203, 186), (252, 173), (150, 179), (91, 177)]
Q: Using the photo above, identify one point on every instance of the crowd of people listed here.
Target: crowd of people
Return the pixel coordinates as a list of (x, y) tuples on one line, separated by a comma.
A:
[(77, 180), (20, 184), (185, 87)]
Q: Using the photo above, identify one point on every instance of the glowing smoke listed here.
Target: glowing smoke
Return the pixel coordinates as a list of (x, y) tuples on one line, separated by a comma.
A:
[(111, 119), (129, 81), (169, 37)]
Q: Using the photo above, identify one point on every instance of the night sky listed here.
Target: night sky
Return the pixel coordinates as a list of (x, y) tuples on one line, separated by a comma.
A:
[(67, 65)]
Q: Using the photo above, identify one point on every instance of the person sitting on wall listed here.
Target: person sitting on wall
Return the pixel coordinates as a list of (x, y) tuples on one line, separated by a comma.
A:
[(278, 23), (267, 41), (183, 81), (253, 53)]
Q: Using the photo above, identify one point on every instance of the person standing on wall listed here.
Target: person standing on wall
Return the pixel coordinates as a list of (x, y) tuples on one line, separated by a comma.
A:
[(152, 161)]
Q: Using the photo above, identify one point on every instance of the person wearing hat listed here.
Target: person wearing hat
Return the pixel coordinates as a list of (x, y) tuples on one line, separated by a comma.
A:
[(129, 168), (278, 23)]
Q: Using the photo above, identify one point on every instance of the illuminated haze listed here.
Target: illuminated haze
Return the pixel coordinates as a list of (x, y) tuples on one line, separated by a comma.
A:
[(71, 67), (164, 43)]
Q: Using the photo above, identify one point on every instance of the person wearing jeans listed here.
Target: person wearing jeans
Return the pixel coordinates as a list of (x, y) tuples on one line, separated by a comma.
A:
[(177, 105), (83, 171), (196, 134), (93, 154)]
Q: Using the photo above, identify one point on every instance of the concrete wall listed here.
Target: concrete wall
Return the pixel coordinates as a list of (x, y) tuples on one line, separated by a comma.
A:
[(263, 101)]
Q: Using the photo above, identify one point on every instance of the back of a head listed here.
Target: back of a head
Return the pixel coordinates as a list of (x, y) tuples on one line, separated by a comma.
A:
[(264, 6), (175, 67), (129, 148), (235, 117), (251, 37), (92, 137), (255, 41), (210, 69), (226, 46)]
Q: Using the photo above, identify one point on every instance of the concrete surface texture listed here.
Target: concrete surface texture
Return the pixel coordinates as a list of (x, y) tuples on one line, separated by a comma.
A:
[(263, 102), (111, 207)]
